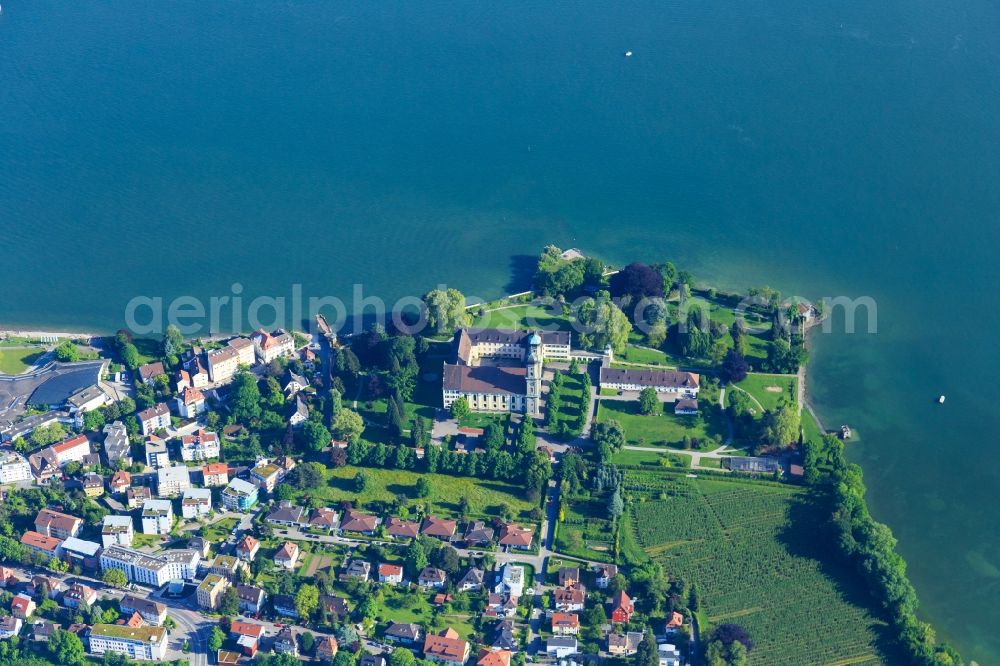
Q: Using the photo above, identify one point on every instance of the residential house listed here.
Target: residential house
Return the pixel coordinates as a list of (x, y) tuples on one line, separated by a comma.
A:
[(368, 659), (200, 446), (287, 555), (247, 548), (686, 407), (191, 403), (117, 530), (210, 591), (40, 544), (431, 577), (239, 495), (326, 648), (674, 623), (10, 626), (7, 578), (142, 643), (478, 534), (151, 612), (510, 580), (493, 657), (402, 529), (155, 418), (150, 371), (157, 516), (514, 536), (569, 599), (70, 450), (301, 413), (193, 373), (117, 448), (391, 574), (79, 596), (215, 474), (357, 570), (503, 637), (355, 521), (565, 624), (403, 633), (266, 476), (324, 519), (227, 566), (334, 605), (93, 485), (172, 481), (284, 605), (500, 605), (668, 654), (439, 528), (120, 481), (42, 630), (222, 364), (685, 384), (156, 452), (624, 645), (22, 606), (136, 496), (288, 514), (295, 384), (270, 346), (472, 580), (569, 576), (251, 599), (561, 647), (622, 608), (203, 546), (56, 524), (285, 642), (247, 635), (446, 648)]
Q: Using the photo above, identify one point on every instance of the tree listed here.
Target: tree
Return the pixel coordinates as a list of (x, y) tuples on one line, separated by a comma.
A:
[(230, 603), (216, 639), (402, 657), (93, 420), (603, 323), (649, 402), (348, 425), (636, 280), (648, 654), (307, 641), (306, 600), (66, 648), (313, 437), (115, 578), (445, 310), (173, 341), (130, 356), (361, 481), (460, 408), (424, 487), (416, 558), (67, 352), (782, 427), (246, 397), (734, 367), (616, 506)]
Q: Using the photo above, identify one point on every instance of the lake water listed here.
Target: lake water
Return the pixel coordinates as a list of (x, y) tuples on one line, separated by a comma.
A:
[(826, 148)]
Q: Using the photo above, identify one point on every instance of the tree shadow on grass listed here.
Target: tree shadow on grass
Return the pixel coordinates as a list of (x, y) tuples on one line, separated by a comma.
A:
[(809, 534)]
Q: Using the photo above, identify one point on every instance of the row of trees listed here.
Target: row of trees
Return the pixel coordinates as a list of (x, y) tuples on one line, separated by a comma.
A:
[(871, 548)]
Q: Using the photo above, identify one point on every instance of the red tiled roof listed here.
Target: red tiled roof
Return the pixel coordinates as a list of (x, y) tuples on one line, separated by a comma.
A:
[(447, 646), (514, 535), (33, 539)]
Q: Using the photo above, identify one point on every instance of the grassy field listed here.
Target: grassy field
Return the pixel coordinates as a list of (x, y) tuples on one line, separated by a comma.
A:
[(487, 498), (810, 429), (771, 389), (16, 361), (219, 531), (661, 430), (645, 355), (759, 558), (650, 459), (525, 317), (585, 531)]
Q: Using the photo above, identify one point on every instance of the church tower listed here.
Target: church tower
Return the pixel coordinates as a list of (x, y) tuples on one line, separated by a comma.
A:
[(533, 378)]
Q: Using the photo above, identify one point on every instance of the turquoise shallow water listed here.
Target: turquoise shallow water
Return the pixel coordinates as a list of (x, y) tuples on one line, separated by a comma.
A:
[(843, 148)]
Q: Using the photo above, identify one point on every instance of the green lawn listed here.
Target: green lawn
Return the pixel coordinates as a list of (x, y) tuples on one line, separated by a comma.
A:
[(650, 459), (220, 530), (760, 558), (810, 429), (771, 389), (487, 498), (645, 355), (665, 429), (16, 361), (149, 349), (531, 316), (585, 530), (483, 419)]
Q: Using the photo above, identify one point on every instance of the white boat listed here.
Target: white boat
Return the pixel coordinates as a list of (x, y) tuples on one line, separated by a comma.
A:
[(628, 54), (941, 399)]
